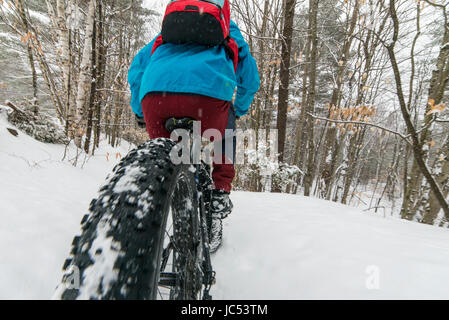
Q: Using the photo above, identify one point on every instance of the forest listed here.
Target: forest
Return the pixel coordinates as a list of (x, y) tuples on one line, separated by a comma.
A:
[(356, 89)]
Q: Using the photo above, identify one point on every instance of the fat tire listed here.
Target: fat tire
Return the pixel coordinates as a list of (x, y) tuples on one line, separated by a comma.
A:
[(118, 254)]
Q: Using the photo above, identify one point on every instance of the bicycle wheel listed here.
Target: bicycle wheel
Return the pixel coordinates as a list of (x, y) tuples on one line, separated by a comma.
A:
[(121, 250)]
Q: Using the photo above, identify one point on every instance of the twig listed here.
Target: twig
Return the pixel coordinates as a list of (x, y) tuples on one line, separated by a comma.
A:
[(359, 198), (365, 124)]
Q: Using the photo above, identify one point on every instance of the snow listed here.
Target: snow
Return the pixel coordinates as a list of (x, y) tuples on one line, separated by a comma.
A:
[(42, 201), (103, 248), (156, 5), (293, 247), (6, 35), (37, 15), (128, 182), (275, 246)]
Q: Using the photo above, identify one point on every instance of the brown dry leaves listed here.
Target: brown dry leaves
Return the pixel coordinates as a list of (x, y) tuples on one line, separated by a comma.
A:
[(435, 108), (355, 114)]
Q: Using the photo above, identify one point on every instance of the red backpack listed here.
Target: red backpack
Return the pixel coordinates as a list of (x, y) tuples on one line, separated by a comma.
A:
[(204, 22)]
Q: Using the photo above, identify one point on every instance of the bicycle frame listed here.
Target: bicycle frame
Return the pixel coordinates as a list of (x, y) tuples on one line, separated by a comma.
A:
[(209, 274)]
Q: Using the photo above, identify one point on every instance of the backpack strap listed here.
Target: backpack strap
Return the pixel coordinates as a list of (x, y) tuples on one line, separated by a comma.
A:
[(232, 51), (159, 41)]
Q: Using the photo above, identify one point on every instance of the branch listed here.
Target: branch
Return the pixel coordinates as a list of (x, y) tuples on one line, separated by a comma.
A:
[(15, 108), (364, 124), (259, 37), (416, 146), (428, 124), (443, 7)]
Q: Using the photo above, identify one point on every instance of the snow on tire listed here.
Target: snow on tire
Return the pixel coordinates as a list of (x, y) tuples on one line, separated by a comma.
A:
[(110, 260)]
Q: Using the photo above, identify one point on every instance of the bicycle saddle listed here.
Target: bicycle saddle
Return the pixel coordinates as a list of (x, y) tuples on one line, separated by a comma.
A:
[(173, 124)]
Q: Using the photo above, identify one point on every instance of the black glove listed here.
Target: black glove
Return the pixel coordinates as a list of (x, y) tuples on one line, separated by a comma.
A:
[(232, 109), (141, 122)]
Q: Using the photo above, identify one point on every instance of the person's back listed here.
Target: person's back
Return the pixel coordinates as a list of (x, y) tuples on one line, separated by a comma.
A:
[(195, 80), (192, 68)]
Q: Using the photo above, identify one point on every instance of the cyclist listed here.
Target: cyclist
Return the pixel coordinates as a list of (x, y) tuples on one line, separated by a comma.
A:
[(198, 81)]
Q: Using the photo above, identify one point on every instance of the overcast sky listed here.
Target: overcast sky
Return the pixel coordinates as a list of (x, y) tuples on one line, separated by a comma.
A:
[(155, 4)]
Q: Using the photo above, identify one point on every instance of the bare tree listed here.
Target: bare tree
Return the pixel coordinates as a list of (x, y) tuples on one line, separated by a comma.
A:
[(289, 15), (416, 144)]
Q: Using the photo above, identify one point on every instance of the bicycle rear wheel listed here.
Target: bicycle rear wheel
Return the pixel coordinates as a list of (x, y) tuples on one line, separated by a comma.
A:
[(126, 243), (182, 249)]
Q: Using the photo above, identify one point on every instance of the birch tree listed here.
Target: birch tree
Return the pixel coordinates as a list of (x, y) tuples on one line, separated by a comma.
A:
[(85, 78)]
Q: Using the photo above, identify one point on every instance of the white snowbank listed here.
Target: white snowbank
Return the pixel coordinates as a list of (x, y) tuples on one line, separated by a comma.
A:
[(42, 201)]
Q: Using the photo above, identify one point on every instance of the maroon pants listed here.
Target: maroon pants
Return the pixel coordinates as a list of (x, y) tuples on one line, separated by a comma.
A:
[(212, 113)]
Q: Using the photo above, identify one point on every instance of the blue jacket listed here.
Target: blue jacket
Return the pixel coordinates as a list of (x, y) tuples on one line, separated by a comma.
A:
[(191, 68)]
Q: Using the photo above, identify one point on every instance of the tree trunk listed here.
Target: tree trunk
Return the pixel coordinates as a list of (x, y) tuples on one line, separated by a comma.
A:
[(438, 83), (309, 177), (441, 169), (26, 29), (93, 93), (416, 145), (289, 15), (65, 53), (100, 66), (331, 132), (84, 82)]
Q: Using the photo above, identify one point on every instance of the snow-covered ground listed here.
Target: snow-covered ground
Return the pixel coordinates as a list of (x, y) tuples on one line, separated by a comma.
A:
[(275, 246), (42, 200), (293, 247)]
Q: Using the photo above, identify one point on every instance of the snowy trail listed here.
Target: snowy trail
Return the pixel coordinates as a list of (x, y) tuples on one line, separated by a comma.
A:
[(275, 247), (293, 247)]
